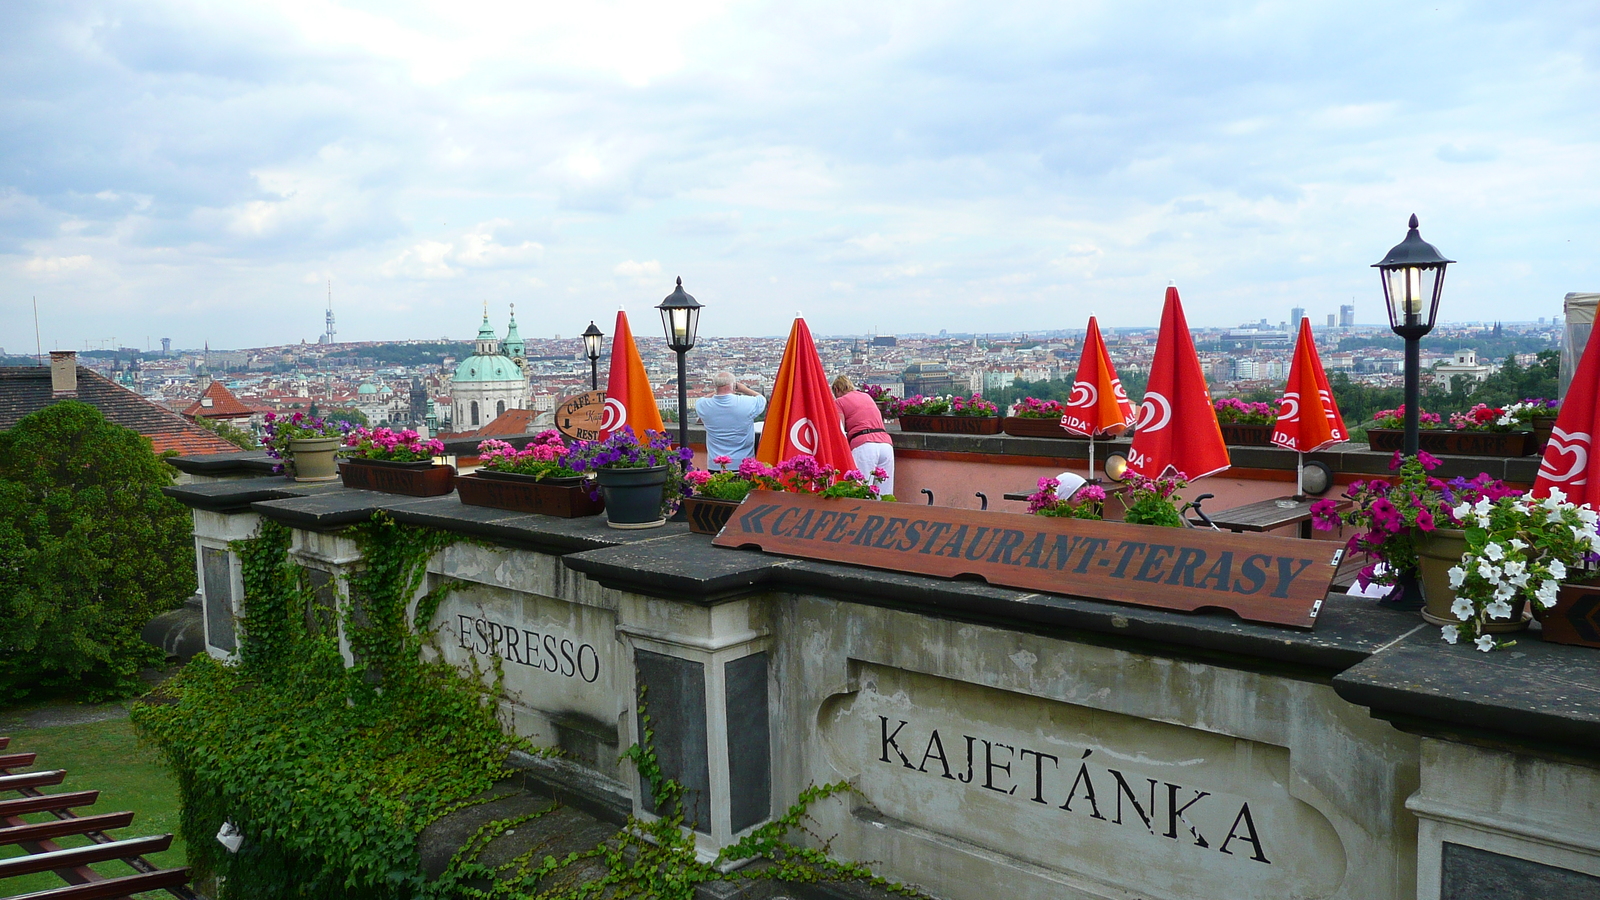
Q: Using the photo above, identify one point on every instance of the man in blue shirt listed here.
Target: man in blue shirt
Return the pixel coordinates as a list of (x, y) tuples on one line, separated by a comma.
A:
[(729, 416)]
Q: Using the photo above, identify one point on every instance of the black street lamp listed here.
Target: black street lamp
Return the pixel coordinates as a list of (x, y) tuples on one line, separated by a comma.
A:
[(591, 344), (680, 316), (1413, 279)]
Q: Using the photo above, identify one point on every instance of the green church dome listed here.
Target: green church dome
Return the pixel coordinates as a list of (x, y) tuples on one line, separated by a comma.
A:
[(487, 362)]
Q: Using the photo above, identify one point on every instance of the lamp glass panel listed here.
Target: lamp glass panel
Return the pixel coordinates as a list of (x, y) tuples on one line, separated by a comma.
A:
[(591, 345)]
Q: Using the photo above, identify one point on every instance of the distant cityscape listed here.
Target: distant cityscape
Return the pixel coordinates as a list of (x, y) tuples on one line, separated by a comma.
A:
[(460, 387)]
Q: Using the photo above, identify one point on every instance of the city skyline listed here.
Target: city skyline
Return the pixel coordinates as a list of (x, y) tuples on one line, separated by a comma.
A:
[(203, 173)]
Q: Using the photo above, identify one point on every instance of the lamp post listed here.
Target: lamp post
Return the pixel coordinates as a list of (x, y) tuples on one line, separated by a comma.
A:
[(1413, 279), (680, 316), (592, 337)]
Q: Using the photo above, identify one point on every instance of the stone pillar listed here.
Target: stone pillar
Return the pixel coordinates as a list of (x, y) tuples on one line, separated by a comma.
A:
[(705, 669), (1497, 825), (327, 559)]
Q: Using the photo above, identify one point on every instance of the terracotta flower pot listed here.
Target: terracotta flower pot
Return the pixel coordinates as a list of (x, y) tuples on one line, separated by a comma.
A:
[(563, 498), (951, 424), (1455, 443), (1032, 427), (312, 459), (1575, 619), (706, 515), (413, 479), (1243, 435)]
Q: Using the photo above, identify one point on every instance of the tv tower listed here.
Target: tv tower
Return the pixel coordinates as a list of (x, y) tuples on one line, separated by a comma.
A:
[(327, 336)]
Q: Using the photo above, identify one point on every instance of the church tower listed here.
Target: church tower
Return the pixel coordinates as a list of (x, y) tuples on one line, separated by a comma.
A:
[(487, 383)]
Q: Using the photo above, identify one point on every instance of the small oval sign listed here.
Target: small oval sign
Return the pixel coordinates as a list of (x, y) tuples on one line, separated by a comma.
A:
[(580, 416)]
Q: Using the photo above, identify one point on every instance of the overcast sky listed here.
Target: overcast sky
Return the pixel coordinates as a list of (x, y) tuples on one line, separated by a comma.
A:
[(201, 171)]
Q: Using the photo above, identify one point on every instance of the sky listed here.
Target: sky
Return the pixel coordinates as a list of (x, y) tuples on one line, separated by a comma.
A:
[(205, 171)]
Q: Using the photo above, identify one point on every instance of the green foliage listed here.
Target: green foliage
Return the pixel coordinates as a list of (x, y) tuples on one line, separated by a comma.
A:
[(90, 550), (330, 773), (655, 858), (233, 434), (347, 414)]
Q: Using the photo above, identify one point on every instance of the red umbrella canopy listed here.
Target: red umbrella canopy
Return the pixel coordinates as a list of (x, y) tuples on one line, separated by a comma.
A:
[(1098, 404), (802, 417), (1177, 430), (630, 403), (1308, 419), (1569, 463)]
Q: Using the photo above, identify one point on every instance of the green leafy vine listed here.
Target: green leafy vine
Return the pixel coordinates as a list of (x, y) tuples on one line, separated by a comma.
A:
[(331, 766)]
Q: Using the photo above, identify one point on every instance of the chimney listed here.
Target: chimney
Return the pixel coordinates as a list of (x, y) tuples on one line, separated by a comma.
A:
[(63, 374)]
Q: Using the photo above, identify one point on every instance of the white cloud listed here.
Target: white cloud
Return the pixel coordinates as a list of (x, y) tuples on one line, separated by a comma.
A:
[(957, 165)]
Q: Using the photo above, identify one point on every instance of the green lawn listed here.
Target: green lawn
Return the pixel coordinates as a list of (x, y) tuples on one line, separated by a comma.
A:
[(104, 756)]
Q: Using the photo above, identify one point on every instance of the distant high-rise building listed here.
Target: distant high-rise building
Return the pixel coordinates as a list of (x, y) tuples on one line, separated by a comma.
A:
[(327, 335), (1295, 315), (1330, 320), (1347, 315), (166, 346)]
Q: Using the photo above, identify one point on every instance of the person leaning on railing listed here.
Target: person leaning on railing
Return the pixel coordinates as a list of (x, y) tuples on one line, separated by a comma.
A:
[(870, 443)]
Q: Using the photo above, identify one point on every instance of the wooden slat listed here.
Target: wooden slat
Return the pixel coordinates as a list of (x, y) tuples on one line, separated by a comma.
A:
[(32, 779), (114, 887), (16, 760), (82, 856), (4, 742), (48, 803), (64, 827)]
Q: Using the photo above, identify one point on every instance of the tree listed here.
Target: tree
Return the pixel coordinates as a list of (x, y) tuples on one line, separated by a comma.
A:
[(231, 433), (90, 550), (346, 414)]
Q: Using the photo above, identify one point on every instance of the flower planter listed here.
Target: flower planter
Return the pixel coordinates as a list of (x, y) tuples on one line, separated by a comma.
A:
[(707, 516), (883, 409), (1031, 427), (312, 459), (951, 424), (563, 498), (1542, 426), (1242, 435), (633, 496), (1458, 443), (1575, 619), (1437, 552), (414, 479)]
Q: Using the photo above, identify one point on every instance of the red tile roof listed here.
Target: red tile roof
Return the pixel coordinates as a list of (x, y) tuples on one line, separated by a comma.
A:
[(26, 389), (224, 405), (512, 421)]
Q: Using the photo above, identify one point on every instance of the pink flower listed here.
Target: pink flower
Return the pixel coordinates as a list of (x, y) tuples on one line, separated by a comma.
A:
[(723, 460)]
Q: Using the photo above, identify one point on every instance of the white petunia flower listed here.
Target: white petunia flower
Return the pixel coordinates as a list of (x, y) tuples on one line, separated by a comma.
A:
[(1587, 516), (1487, 571), (1482, 506), (1558, 570), (1558, 495), (1457, 576), (1494, 551), (1545, 594), (1504, 592), (1449, 634), (1499, 609), (1484, 643), (1461, 510), (1462, 609), (1518, 544)]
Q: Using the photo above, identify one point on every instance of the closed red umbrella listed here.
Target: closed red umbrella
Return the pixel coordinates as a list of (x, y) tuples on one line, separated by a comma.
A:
[(802, 417), (1176, 429), (1098, 404)]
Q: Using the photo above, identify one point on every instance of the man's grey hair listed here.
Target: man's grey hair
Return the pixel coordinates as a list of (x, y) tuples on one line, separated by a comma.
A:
[(722, 380)]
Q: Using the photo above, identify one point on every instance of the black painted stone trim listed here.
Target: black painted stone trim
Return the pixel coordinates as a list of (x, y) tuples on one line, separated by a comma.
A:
[(1534, 690), (236, 495), (243, 463)]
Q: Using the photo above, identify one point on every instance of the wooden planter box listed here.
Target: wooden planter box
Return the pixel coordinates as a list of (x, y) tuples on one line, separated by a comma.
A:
[(1242, 435), (564, 498), (418, 479), (951, 424), (1458, 443), (1575, 619), (707, 516), (1542, 426), (1045, 428)]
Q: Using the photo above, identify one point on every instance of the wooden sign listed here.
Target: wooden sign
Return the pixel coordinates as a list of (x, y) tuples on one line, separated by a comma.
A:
[(579, 416), (1262, 578)]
